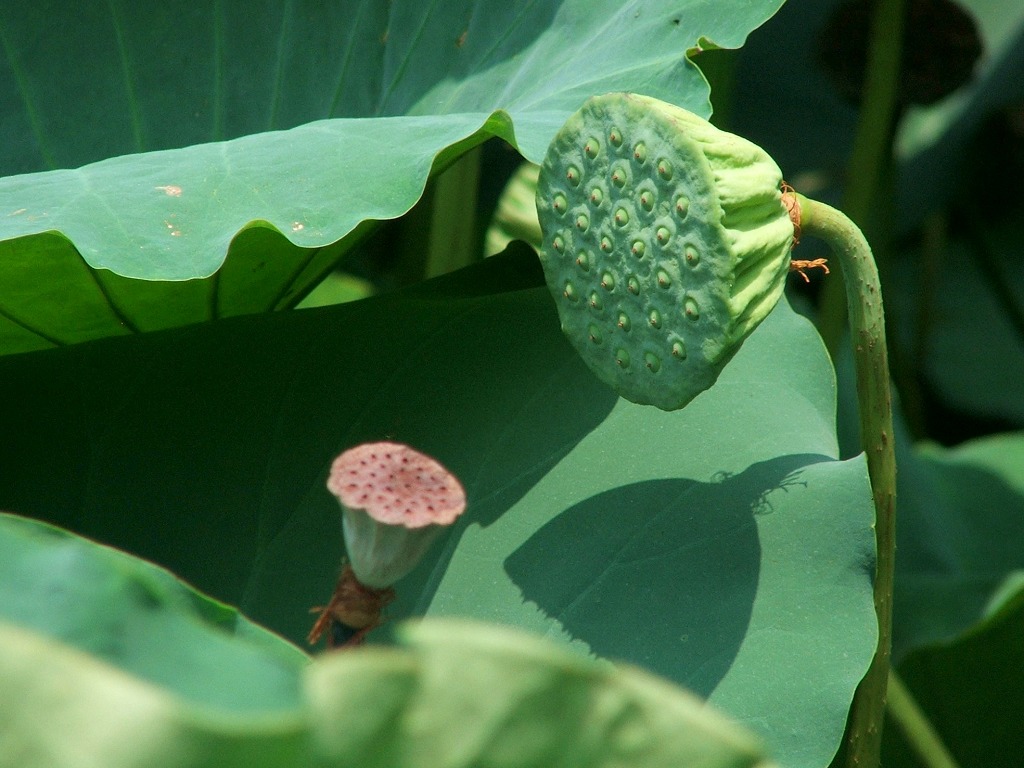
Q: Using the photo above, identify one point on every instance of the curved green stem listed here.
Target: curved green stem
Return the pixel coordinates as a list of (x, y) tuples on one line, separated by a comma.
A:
[(917, 729), (867, 326)]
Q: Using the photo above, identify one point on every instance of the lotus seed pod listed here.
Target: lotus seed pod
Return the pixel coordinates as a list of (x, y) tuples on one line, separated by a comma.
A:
[(394, 502), (689, 241)]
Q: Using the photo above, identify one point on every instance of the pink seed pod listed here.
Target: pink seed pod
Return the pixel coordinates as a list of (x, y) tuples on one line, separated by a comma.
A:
[(395, 501), (396, 485)]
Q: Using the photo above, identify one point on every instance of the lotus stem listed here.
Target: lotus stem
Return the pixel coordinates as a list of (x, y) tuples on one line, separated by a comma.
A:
[(867, 326)]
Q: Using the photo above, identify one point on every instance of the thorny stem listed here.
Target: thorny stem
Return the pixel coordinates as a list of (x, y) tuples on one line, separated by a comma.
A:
[(867, 326)]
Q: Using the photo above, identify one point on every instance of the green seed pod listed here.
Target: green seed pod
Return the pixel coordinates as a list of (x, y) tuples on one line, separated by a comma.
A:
[(709, 207)]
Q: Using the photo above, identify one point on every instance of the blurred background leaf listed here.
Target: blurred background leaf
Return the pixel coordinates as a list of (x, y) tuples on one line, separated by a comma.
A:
[(140, 618), (454, 693), (959, 634), (963, 514), (106, 659), (484, 695), (970, 687)]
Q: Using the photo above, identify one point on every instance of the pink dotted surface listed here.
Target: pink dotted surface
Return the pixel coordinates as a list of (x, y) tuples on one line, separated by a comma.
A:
[(396, 485)]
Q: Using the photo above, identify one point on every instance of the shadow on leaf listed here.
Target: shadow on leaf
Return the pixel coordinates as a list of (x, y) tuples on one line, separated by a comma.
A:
[(663, 573)]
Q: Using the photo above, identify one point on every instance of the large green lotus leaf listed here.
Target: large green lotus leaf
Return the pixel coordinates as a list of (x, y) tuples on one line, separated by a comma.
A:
[(418, 83), (114, 78), (723, 546)]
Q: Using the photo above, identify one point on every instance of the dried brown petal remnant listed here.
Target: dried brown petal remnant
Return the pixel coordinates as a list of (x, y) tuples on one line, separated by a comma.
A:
[(354, 609)]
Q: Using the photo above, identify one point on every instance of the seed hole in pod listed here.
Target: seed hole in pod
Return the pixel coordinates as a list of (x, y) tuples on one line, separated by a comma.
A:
[(594, 334), (592, 147), (583, 261), (664, 169), (662, 235), (652, 361), (647, 200), (678, 350), (640, 152), (691, 255), (570, 292), (608, 281), (691, 308), (637, 248), (572, 175), (654, 318), (615, 137), (621, 217), (622, 358), (606, 244), (620, 175), (582, 222), (596, 196), (595, 301), (623, 321), (633, 286), (558, 243), (559, 204), (682, 206), (664, 280)]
